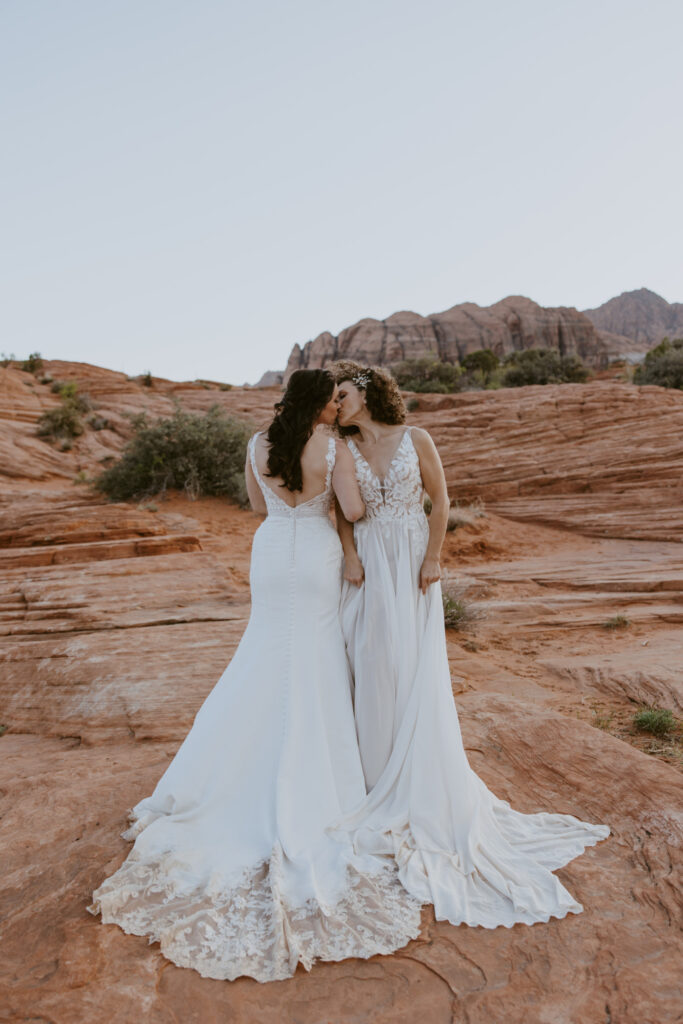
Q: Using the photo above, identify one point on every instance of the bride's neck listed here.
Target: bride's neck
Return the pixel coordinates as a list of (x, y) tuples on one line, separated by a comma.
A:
[(369, 431)]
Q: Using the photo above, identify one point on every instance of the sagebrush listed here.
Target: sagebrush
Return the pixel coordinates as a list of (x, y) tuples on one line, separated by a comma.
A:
[(64, 421), (198, 454), (663, 365), (541, 366)]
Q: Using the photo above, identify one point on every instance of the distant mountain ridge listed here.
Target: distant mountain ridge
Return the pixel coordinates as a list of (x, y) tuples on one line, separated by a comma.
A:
[(640, 315), (626, 325)]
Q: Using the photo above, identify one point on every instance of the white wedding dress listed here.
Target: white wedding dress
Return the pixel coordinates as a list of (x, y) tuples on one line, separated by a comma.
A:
[(232, 870), (457, 845)]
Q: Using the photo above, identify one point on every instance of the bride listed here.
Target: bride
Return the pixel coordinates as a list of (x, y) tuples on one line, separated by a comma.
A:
[(457, 845), (232, 870)]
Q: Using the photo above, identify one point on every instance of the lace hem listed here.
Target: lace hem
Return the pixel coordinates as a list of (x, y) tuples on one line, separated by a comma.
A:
[(248, 928)]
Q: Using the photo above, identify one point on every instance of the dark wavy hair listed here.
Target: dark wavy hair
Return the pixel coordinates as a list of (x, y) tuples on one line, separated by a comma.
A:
[(307, 394), (382, 393)]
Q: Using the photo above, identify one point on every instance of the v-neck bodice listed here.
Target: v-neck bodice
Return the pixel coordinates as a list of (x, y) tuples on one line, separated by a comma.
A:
[(400, 493)]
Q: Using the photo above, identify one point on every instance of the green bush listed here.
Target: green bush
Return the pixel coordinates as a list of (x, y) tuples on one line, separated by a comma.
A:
[(482, 363), (541, 366), (33, 363), (198, 454), (427, 375), (98, 422), (617, 622), (70, 395), (64, 422), (655, 720), (6, 359), (663, 365), (413, 404), (457, 612)]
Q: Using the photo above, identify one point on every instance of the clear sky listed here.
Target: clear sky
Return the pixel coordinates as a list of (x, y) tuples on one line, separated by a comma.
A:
[(192, 186)]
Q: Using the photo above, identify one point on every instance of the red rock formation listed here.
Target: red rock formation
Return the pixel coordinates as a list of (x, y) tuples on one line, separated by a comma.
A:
[(603, 458), (512, 324), (117, 619), (641, 316)]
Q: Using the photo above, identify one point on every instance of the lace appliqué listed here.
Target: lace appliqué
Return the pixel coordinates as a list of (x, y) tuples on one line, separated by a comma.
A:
[(400, 493), (248, 928)]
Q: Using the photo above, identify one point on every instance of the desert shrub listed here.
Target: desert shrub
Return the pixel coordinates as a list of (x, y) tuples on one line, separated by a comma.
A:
[(427, 375), (69, 394), (98, 422), (457, 611), (616, 622), (541, 366), (427, 505), (6, 359), (147, 379), (198, 454), (603, 720), (33, 363), (64, 422), (659, 721), (482, 363), (465, 515), (3, 729), (413, 404), (663, 365)]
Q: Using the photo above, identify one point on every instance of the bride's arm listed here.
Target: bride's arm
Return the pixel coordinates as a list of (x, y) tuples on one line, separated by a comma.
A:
[(434, 482), (345, 484), (348, 508), (353, 567)]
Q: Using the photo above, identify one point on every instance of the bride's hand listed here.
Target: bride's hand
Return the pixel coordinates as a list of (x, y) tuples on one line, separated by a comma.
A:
[(429, 573), (353, 571)]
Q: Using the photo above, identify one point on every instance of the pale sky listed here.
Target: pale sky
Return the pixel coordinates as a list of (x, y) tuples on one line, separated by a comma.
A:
[(192, 186)]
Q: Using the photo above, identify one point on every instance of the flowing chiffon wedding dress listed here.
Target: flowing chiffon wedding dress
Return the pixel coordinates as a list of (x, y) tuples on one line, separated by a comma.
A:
[(232, 870), (457, 845)]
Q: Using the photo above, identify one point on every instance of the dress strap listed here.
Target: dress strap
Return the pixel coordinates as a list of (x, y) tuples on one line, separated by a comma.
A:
[(252, 455), (330, 459)]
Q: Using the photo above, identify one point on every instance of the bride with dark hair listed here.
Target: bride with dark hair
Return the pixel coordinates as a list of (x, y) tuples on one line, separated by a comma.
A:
[(232, 870)]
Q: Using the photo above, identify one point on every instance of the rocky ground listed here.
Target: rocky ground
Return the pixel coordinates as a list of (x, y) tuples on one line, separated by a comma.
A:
[(117, 619)]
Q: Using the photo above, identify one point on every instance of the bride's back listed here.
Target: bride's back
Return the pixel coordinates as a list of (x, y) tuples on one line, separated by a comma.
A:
[(313, 469)]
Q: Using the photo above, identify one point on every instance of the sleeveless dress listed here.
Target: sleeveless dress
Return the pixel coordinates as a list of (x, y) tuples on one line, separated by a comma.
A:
[(456, 844), (232, 870)]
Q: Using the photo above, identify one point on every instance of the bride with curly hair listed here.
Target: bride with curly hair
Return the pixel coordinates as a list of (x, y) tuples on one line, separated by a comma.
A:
[(459, 847)]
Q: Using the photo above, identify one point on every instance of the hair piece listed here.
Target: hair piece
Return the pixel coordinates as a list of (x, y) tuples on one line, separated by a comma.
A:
[(381, 391), (307, 394)]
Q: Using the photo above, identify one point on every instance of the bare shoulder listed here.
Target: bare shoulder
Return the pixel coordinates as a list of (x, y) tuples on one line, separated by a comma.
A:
[(422, 439)]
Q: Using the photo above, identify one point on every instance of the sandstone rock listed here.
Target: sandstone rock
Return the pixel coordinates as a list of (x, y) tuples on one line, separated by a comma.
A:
[(641, 316), (513, 323), (602, 458), (116, 621)]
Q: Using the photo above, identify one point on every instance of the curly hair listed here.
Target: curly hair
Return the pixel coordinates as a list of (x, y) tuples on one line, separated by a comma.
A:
[(382, 394), (307, 394)]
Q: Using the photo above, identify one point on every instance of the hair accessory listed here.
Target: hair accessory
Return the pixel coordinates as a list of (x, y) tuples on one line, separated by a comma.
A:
[(361, 380)]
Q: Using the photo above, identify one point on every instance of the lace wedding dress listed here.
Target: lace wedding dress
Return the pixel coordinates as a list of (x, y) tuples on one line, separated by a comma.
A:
[(232, 870), (457, 845)]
